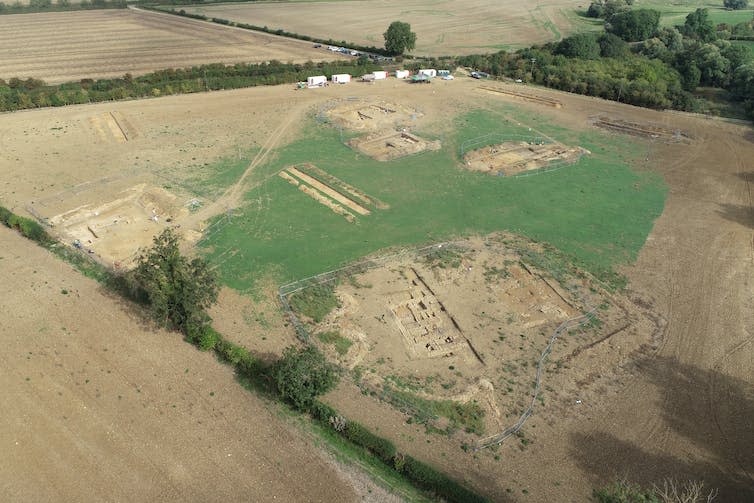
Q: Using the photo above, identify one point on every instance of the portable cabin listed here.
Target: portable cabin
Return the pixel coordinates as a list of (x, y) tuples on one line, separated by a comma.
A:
[(341, 78), (380, 75), (429, 72), (402, 74), (316, 81), (443, 73)]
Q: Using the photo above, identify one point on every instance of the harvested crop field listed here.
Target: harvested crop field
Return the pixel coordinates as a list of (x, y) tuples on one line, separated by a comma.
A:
[(445, 27), (66, 46), (99, 407)]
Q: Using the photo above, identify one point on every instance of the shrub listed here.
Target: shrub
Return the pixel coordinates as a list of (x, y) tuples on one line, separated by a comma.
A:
[(5, 216), (581, 45), (302, 375), (26, 226), (427, 477), (322, 411), (380, 447), (635, 25), (736, 4)]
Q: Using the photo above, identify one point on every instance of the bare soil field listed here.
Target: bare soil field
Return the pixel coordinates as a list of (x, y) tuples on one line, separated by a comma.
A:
[(98, 406), (65, 46), (369, 115), (389, 145), (680, 407), (532, 98), (453, 27), (467, 321), (512, 158)]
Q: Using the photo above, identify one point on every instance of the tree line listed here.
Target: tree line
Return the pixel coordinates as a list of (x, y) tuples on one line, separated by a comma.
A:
[(635, 61), (18, 94), (59, 5)]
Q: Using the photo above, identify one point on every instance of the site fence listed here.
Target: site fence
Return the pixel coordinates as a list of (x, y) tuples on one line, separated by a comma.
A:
[(515, 428), (497, 138)]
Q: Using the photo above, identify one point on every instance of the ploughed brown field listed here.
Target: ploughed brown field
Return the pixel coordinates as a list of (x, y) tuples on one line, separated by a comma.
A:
[(68, 46)]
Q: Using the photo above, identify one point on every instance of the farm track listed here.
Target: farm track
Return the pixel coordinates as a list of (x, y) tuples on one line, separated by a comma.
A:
[(99, 44)]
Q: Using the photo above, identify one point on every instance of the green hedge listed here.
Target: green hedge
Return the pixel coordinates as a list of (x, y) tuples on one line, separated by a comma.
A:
[(380, 447), (427, 477), (322, 411), (26, 226), (18, 94)]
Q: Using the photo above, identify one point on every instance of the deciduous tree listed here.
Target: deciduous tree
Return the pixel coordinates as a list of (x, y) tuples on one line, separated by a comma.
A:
[(399, 38), (178, 290)]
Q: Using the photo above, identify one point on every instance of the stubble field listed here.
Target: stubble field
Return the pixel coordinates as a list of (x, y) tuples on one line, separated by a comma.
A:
[(442, 27), (68, 46)]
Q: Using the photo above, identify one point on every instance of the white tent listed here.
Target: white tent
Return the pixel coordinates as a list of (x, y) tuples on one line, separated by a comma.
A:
[(402, 74), (341, 78), (429, 72), (316, 81), (380, 75)]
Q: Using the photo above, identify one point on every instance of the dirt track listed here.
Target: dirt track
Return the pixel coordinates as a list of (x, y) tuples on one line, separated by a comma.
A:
[(66, 46), (99, 407)]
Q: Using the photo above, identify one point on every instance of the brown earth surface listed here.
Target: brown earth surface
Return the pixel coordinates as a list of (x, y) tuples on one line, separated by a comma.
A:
[(442, 27), (682, 409), (99, 406), (68, 46)]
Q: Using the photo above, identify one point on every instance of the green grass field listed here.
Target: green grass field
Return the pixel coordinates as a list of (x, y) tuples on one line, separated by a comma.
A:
[(598, 211)]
